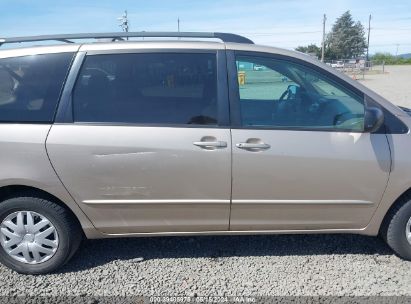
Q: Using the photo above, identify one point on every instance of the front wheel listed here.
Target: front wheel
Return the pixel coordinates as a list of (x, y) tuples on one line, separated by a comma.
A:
[(37, 236), (396, 229)]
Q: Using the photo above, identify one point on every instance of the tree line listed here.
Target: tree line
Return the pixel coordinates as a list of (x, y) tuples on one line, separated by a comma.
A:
[(347, 40), (388, 58)]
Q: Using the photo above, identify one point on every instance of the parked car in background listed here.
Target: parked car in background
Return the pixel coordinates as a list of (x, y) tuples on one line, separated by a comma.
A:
[(258, 68), (148, 138), (338, 65)]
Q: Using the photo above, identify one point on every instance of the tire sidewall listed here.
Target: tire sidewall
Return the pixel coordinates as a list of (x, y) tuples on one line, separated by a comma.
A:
[(396, 237), (63, 250)]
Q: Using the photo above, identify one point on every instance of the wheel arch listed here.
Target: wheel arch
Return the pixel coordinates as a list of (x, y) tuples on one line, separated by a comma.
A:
[(16, 190), (400, 199)]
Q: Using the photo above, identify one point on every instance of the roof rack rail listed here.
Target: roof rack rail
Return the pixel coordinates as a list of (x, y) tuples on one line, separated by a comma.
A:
[(67, 38)]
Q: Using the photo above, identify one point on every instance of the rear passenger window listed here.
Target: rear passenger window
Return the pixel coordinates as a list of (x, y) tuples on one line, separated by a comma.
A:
[(152, 88), (30, 86)]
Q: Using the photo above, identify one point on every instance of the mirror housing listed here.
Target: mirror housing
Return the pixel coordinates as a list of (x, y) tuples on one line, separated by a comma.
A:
[(373, 119)]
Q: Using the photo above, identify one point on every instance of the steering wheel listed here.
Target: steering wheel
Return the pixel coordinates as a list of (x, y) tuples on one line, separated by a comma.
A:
[(287, 94)]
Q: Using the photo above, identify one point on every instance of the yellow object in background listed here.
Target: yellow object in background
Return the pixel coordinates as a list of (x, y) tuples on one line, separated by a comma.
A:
[(241, 78), (170, 81)]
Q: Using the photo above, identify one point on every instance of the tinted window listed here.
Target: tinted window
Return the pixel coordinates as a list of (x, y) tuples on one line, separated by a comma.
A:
[(147, 88), (280, 93), (30, 86)]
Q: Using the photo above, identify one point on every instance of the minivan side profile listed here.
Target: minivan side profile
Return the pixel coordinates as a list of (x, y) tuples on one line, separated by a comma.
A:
[(182, 137)]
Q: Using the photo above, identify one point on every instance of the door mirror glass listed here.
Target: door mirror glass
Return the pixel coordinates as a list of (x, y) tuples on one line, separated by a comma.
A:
[(373, 120)]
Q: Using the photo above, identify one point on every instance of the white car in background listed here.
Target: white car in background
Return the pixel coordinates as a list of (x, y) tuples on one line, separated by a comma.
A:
[(338, 65)]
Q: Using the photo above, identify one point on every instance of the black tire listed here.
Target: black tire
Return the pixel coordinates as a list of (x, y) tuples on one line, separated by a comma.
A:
[(393, 229), (69, 232)]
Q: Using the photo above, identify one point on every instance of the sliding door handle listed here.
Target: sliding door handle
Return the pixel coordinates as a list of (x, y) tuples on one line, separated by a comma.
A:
[(253, 146)]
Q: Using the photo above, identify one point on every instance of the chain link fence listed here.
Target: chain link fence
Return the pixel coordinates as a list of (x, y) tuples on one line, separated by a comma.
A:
[(358, 69)]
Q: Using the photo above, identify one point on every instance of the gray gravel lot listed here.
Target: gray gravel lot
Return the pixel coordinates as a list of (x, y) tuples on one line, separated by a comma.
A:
[(240, 265), (243, 265), (393, 85)]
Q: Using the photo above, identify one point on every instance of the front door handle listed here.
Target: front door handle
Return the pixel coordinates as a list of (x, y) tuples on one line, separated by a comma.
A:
[(210, 144), (253, 146)]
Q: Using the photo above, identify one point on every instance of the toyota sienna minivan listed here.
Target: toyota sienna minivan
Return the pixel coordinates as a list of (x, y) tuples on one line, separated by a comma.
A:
[(189, 136)]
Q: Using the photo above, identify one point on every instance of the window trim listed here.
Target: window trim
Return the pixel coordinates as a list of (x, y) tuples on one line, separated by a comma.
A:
[(234, 92), (65, 110), (64, 113)]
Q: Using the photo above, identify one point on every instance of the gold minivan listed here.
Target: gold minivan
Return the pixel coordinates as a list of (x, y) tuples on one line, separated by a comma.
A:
[(189, 137)]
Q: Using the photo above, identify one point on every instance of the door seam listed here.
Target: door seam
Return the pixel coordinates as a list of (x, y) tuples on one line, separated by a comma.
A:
[(231, 180), (61, 182), (231, 137), (388, 180)]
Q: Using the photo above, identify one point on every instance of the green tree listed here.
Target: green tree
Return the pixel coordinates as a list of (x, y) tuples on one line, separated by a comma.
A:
[(387, 58), (310, 49), (346, 39)]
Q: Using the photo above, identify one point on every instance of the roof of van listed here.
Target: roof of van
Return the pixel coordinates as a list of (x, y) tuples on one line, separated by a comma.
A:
[(121, 36)]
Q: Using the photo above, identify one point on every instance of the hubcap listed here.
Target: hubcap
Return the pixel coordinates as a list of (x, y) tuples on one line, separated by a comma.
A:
[(28, 237), (408, 231)]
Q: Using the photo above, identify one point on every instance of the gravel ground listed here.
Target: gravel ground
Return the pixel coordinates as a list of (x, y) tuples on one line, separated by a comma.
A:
[(279, 265), (393, 85)]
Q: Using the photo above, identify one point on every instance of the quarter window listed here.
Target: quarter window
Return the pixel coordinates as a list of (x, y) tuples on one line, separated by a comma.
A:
[(30, 86), (149, 88), (282, 94)]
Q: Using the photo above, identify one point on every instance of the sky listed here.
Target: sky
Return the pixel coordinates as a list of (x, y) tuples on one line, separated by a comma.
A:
[(280, 23)]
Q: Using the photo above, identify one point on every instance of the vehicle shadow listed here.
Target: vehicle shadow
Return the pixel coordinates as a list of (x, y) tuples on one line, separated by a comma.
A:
[(93, 253)]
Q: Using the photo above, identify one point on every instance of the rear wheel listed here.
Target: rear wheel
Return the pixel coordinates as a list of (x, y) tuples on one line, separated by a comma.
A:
[(396, 229), (37, 235)]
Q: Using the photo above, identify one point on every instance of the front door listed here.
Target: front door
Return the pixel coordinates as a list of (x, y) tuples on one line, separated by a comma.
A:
[(301, 160), (147, 151)]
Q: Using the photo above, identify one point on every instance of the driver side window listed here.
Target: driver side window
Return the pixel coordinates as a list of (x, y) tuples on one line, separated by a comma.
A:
[(282, 94)]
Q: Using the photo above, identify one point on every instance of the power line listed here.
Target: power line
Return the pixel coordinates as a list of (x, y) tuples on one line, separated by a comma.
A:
[(390, 44), (391, 29), (278, 33)]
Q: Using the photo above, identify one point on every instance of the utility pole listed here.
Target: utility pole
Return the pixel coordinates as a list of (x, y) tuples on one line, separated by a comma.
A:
[(323, 47), (396, 53), (178, 24), (124, 24), (368, 43)]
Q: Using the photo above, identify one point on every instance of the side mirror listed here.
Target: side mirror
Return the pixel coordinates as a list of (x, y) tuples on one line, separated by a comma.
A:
[(373, 119)]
